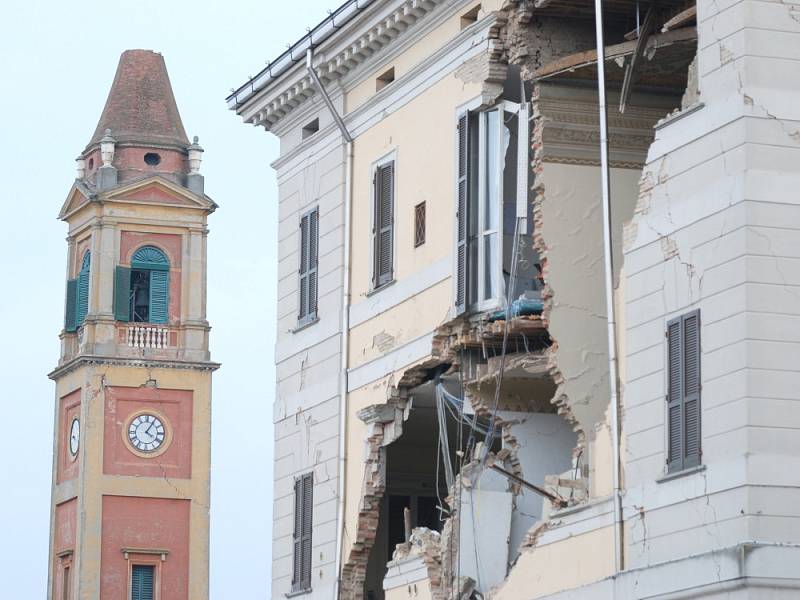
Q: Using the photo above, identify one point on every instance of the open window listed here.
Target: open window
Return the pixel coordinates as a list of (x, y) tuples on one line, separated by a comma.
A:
[(494, 245), (141, 291)]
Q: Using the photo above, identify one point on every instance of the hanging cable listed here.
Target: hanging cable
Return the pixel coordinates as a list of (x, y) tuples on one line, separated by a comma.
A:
[(512, 281)]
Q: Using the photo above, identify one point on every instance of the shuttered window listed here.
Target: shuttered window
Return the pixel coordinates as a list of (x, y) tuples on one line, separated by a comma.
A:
[(141, 291), (142, 582), (383, 226), (462, 214), (309, 258), (303, 508), (683, 392), (419, 224), (82, 300), (70, 309), (77, 304)]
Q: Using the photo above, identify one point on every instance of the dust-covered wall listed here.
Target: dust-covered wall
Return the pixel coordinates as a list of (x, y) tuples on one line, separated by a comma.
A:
[(571, 226)]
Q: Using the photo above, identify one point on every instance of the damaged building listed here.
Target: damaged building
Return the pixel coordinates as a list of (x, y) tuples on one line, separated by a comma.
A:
[(538, 324)]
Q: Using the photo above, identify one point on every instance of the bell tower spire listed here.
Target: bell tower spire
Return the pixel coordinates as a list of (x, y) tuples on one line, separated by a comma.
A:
[(130, 496)]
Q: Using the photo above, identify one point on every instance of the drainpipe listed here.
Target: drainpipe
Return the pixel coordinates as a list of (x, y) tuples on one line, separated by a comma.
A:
[(345, 332), (613, 369)]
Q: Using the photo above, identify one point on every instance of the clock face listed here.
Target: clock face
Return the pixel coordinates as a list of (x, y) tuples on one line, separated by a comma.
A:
[(74, 437), (146, 433)]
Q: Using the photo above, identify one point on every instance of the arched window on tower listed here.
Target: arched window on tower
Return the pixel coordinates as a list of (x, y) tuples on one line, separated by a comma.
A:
[(141, 291), (78, 296)]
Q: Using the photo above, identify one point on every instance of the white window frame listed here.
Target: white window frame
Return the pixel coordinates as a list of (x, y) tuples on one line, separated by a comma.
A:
[(483, 304)]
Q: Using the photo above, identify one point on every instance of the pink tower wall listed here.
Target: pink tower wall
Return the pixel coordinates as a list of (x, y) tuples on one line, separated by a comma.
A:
[(145, 524), (175, 405)]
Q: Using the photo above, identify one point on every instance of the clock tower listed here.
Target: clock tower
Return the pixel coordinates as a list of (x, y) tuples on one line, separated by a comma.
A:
[(130, 497)]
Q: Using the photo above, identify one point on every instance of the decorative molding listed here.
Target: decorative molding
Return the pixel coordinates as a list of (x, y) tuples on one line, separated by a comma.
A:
[(570, 129), (383, 33), (131, 362)]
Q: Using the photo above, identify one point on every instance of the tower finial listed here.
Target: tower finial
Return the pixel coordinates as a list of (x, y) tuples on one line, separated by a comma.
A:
[(107, 147)]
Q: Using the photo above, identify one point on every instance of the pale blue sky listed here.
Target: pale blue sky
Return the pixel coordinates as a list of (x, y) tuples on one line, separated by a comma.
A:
[(57, 61)]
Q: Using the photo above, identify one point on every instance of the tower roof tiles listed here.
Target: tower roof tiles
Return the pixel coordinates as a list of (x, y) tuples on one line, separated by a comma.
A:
[(141, 107)]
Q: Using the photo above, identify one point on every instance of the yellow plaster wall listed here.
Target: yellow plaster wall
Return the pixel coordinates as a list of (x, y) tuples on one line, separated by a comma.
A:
[(415, 317), (422, 136), (563, 565), (402, 64)]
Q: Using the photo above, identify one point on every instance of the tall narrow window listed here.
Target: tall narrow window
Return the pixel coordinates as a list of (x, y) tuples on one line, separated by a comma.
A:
[(309, 250), (65, 585), (82, 300), (383, 224), (462, 207), (683, 392), (303, 508), (482, 144), (142, 582), (419, 224), (141, 291)]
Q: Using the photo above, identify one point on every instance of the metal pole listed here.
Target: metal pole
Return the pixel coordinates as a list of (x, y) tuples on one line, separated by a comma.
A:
[(619, 564), (345, 318)]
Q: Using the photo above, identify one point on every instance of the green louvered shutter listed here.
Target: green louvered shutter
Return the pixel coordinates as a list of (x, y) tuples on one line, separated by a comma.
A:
[(142, 582), (159, 296), (82, 305), (122, 294), (70, 310), (82, 302)]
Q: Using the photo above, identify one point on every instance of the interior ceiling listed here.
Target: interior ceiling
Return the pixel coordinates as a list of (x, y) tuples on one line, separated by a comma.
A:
[(619, 12)]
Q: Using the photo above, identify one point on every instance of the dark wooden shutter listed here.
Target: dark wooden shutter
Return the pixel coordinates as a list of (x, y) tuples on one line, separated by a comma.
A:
[(308, 509), (461, 215), (691, 389), (383, 231), (142, 582), (122, 294), (159, 296), (297, 559), (313, 260), (309, 257), (683, 391), (70, 309), (303, 509)]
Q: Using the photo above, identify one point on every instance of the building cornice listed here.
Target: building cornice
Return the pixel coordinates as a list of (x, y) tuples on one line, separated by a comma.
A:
[(142, 363), (467, 43), (273, 97)]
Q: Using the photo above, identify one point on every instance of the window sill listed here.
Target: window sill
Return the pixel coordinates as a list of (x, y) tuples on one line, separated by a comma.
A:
[(679, 474), (301, 592), (380, 288), (305, 324)]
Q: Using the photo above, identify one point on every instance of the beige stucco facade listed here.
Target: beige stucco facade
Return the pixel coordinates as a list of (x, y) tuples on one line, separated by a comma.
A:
[(446, 401)]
